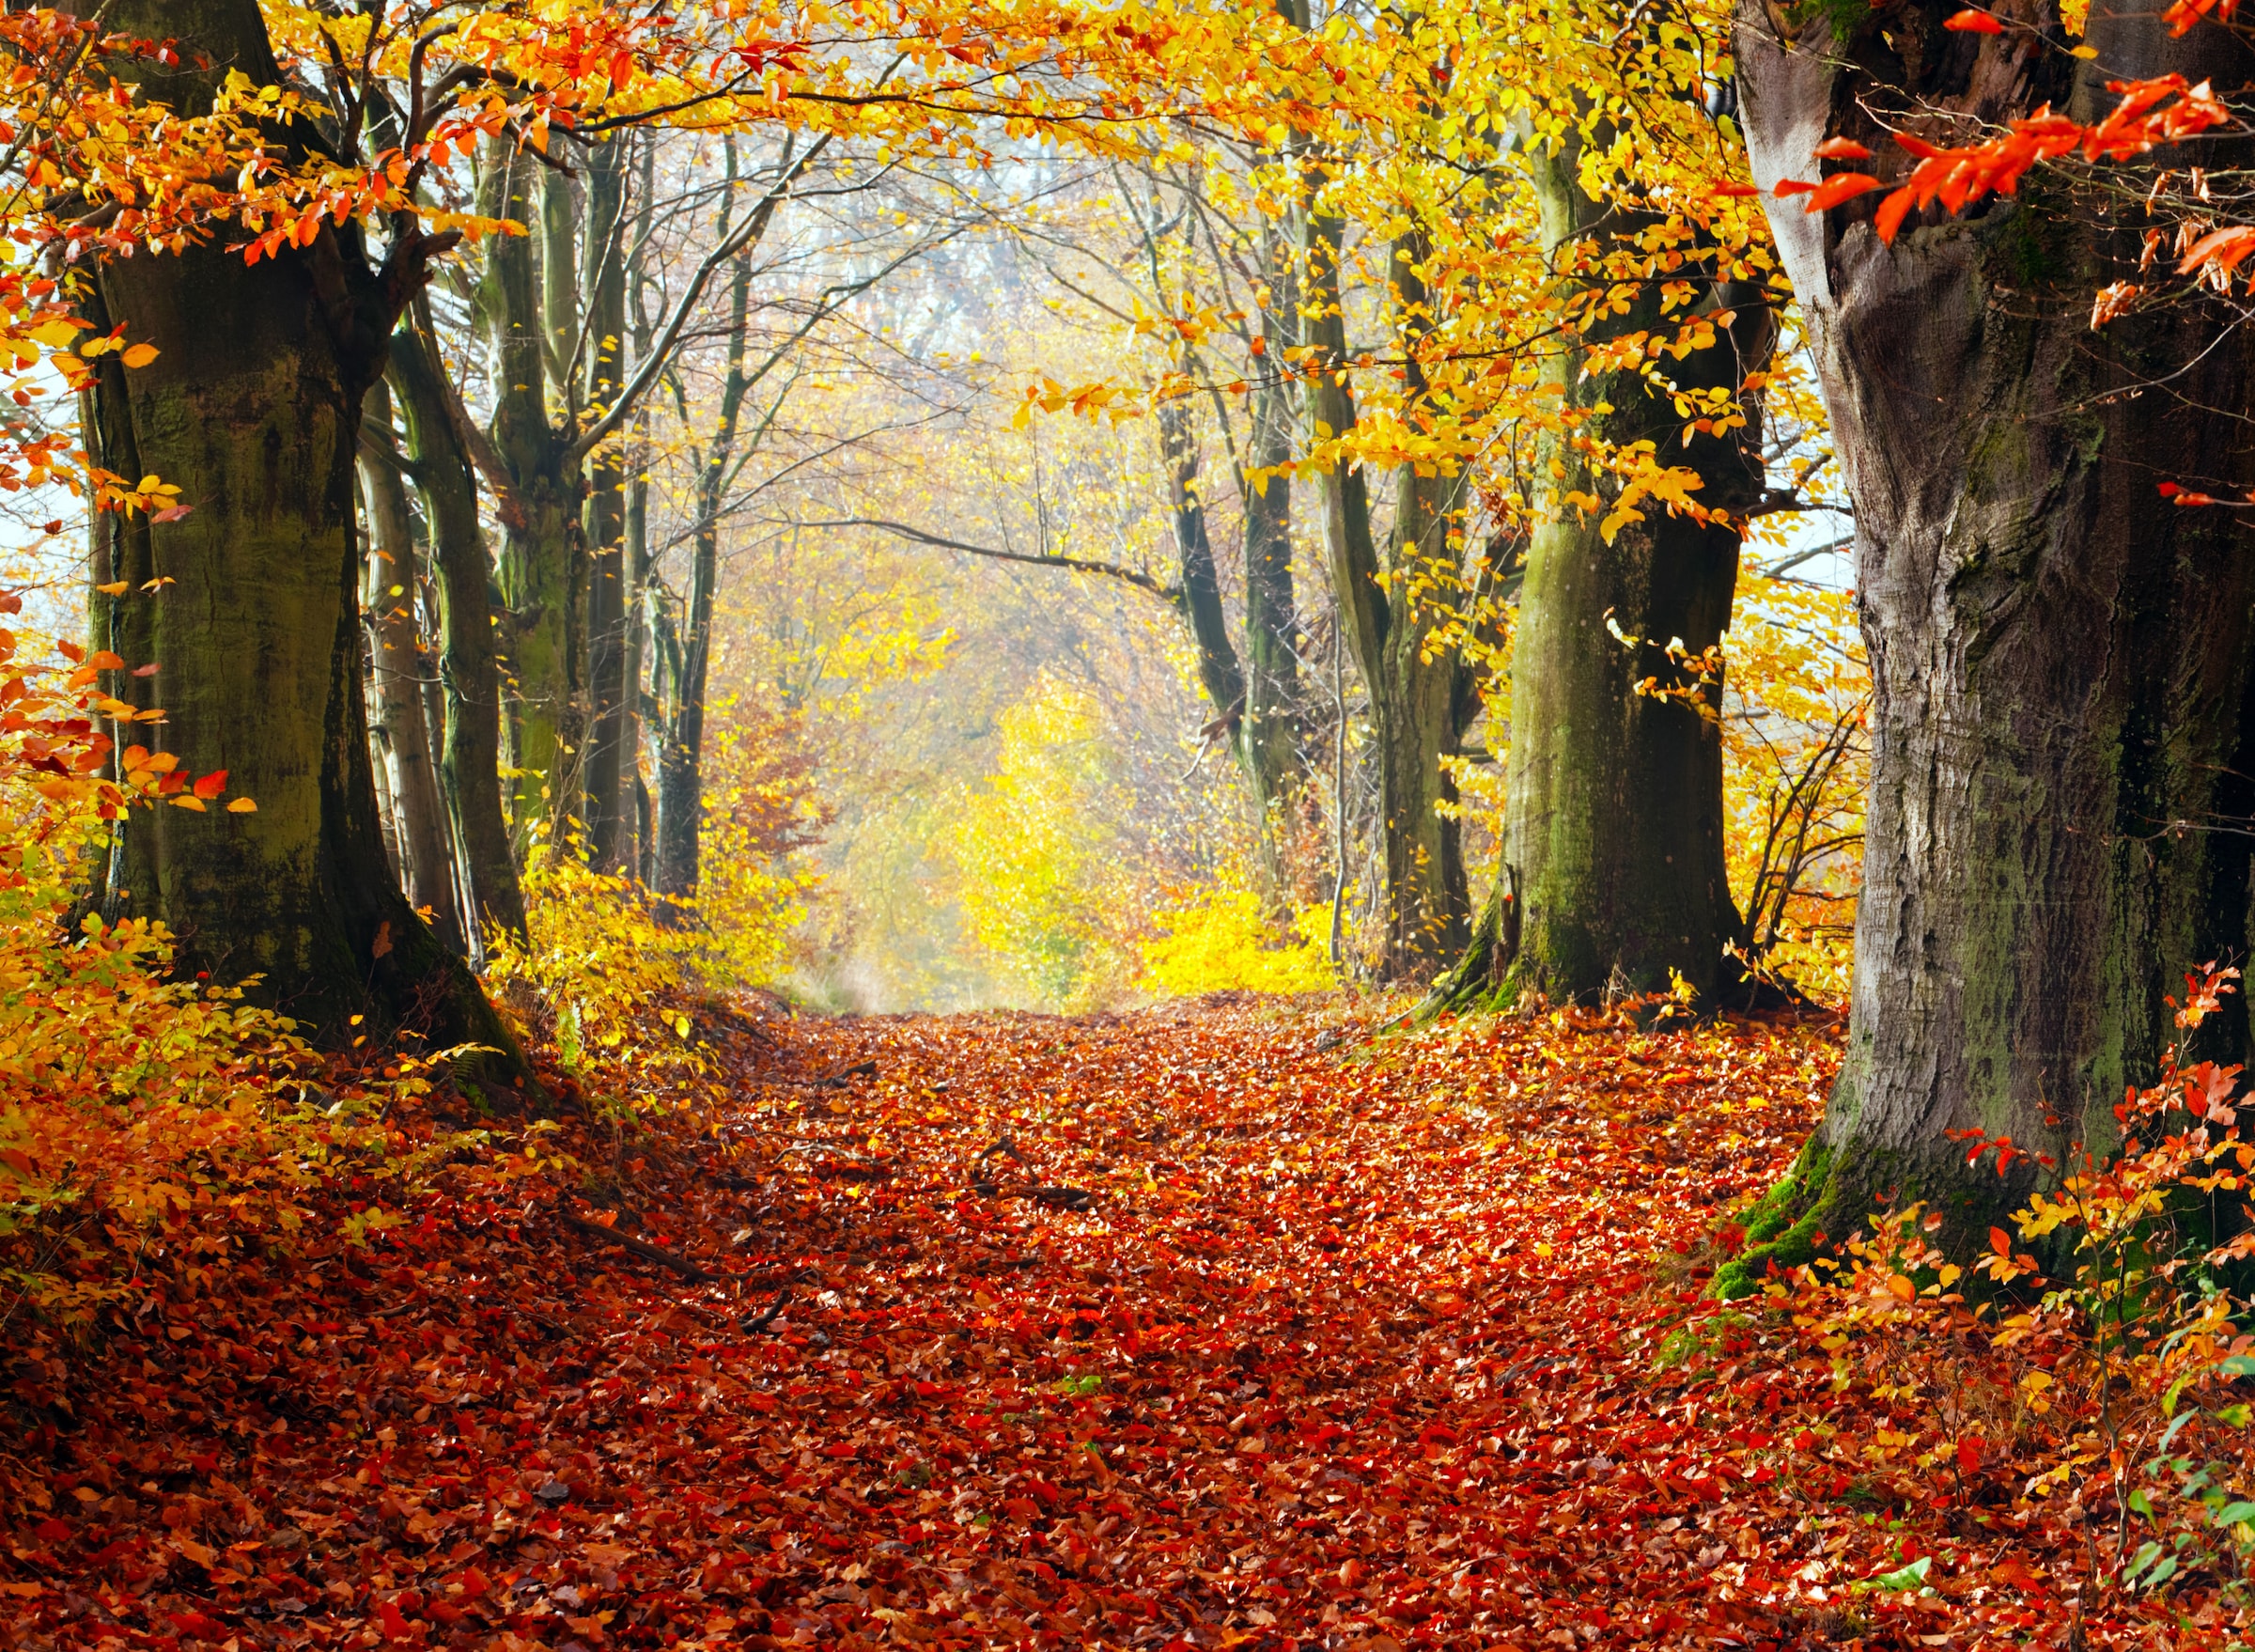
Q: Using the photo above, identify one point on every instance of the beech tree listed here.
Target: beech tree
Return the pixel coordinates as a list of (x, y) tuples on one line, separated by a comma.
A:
[(2060, 709), (248, 602)]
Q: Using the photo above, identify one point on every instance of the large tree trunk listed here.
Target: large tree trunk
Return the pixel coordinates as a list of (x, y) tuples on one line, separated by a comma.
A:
[(470, 761), (2061, 707), (253, 409), (1613, 844), (395, 671)]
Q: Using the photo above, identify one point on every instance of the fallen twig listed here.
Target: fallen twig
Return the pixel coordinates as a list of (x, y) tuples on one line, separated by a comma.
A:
[(641, 1246)]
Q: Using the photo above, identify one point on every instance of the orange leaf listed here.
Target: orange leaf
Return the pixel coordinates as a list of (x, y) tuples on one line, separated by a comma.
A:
[(1733, 191), (1888, 221), (242, 805), (2001, 1242), (212, 784), (1841, 186), (1840, 148), (1973, 23), (105, 660), (1788, 187)]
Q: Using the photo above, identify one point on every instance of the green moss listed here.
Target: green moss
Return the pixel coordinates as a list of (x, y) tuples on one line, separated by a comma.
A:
[(1844, 17), (1782, 1228)]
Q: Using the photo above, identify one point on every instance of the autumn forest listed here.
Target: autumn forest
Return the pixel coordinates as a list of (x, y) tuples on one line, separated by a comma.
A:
[(1184, 824)]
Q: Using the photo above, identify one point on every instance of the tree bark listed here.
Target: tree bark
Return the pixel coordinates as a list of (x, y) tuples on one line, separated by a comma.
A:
[(2062, 715), (395, 670), (253, 409), (468, 671)]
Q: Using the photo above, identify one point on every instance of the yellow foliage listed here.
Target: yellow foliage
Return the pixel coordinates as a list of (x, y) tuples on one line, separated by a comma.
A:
[(1036, 844), (1221, 941), (131, 1103)]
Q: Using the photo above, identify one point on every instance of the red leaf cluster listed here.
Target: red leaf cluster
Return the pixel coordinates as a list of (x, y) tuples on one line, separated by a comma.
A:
[(2164, 109)]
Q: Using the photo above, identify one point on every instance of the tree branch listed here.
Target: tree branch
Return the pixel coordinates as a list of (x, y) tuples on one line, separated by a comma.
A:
[(669, 336), (1170, 595)]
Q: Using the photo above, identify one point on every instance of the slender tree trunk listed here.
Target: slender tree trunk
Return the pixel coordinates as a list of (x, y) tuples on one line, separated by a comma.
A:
[(1418, 703), (1218, 670), (1270, 734), (2061, 715), (395, 671), (642, 860), (681, 748), (541, 533), (1613, 846), (253, 409), (469, 670), (609, 816)]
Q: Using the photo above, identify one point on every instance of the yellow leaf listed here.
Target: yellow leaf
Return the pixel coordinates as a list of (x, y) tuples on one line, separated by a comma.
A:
[(140, 355), (57, 331), (116, 588), (187, 802), (242, 805)]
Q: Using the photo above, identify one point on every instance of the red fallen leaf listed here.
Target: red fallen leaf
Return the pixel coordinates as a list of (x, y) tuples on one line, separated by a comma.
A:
[(1973, 23), (52, 1531), (196, 1623), (1969, 1454)]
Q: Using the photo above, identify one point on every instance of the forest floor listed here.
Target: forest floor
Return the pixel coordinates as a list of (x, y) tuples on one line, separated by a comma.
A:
[(1225, 1325)]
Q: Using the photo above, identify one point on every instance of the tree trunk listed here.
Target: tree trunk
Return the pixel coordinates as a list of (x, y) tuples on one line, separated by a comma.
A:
[(395, 671), (1268, 736), (253, 409), (608, 817), (1419, 705), (1218, 671), (682, 746), (2060, 713), (470, 763), (1613, 842), (541, 533)]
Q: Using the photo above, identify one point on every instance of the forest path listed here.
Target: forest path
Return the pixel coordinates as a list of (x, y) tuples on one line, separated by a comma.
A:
[(1206, 1325)]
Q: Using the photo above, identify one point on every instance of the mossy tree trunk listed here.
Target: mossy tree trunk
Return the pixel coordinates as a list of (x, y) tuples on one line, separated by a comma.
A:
[(2060, 716), (1613, 846), (540, 530), (253, 409)]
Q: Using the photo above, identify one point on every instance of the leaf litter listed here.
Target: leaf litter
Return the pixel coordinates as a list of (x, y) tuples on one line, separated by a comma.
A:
[(1218, 1325)]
